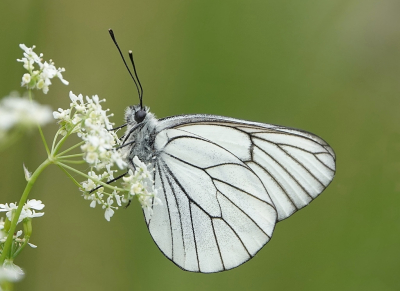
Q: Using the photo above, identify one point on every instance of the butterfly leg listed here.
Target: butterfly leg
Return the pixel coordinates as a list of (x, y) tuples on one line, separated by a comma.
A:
[(132, 130), (129, 203), (118, 127), (109, 182), (125, 144)]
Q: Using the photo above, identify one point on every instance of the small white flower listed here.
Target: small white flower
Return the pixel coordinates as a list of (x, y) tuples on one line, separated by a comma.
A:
[(34, 204), (32, 245), (117, 198), (88, 185), (59, 75), (28, 211), (9, 209), (10, 272), (30, 54), (108, 213), (109, 209), (91, 157), (40, 79), (26, 78), (146, 201), (62, 114), (118, 158)]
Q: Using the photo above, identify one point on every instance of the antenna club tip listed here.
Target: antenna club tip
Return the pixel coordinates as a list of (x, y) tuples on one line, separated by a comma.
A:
[(130, 52)]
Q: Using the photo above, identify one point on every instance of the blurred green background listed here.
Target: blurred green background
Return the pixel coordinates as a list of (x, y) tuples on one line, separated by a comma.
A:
[(330, 67)]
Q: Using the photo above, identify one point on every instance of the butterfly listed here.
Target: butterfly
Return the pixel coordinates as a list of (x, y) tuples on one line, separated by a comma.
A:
[(223, 182)]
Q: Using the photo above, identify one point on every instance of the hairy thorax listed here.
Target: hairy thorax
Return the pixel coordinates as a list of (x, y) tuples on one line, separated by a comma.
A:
[(141, 136)]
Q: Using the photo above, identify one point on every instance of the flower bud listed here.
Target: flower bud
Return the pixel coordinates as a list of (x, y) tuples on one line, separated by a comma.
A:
[(28, 227), (27, 173), (7, 225)]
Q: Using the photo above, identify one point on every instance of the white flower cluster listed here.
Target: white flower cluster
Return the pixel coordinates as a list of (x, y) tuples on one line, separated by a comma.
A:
[(20, 112), (38, 78), (140, 184), (100, 196), (28, 210), (91, 123)]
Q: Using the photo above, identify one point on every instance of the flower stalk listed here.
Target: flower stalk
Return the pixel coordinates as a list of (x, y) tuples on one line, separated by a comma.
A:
[(100, 149), (24, 197)]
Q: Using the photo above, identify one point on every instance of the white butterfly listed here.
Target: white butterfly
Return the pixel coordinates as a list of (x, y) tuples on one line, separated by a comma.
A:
[(223, 182)]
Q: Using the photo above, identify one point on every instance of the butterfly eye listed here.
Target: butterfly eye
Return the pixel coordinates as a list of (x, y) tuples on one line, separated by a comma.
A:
[(140, 115)]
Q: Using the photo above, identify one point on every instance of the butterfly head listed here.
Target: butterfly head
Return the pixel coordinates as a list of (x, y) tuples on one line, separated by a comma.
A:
[(140, 115), (136, 114)]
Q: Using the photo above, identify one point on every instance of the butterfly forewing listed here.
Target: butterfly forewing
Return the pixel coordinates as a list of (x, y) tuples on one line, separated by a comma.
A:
[(295, 166)]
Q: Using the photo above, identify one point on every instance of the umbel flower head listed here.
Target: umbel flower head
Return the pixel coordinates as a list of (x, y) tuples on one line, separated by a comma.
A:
[(28, 210), (39, 73), (19, 114), (90, 122), (16, 111), (27, 214)]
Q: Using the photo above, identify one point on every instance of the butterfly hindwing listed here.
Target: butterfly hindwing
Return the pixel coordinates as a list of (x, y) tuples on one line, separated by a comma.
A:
[(224, 183), (216, 213)]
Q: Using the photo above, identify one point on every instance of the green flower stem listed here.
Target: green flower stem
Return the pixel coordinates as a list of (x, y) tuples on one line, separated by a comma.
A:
[(88, 177), (7, 286), (16, 253), (70, 149), (70, 156), (60, 143), (70, 176), (24, 197), (12, 250), (63, 139), (40, 129), (44, 140), (55, 139), (71, 162)]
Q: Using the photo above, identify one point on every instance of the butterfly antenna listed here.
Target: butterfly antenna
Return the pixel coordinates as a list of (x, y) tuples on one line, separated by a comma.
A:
[(140, 85), (133, 78)]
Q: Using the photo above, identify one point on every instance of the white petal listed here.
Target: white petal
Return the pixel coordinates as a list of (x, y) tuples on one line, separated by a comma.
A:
[(108, 214), (35, 204)]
